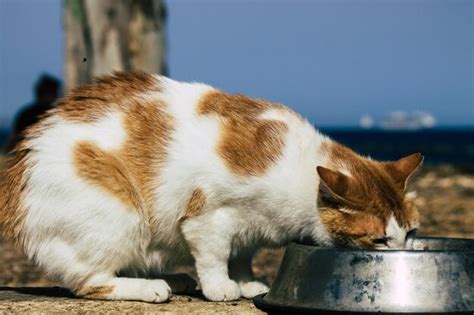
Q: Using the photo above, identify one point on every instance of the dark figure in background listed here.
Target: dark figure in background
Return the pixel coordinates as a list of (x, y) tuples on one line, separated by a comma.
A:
[(47, 90)]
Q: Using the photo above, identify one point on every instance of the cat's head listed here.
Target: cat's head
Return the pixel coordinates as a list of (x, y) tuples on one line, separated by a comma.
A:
[(364, 203)]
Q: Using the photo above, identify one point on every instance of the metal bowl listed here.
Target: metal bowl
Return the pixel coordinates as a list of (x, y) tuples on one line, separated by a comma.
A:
[(437, 276)]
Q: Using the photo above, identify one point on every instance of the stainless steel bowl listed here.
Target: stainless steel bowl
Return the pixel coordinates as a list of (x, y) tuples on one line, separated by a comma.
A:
[(437, 276)]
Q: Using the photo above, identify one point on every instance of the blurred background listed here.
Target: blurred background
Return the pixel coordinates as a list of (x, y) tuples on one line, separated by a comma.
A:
[(387, 78)]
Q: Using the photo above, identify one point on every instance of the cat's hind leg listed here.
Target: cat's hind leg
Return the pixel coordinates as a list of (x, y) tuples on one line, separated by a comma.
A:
[(94, 276), (107, 287), (89, 269)]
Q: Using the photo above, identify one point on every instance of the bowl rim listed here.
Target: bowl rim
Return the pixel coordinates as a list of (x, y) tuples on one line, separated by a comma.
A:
[(391, 251)]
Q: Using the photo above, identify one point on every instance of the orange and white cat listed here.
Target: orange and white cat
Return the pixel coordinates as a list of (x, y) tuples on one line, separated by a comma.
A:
[(137, 174)]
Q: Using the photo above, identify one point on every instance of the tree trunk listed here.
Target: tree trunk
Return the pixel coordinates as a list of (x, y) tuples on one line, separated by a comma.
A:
[(107, 35)]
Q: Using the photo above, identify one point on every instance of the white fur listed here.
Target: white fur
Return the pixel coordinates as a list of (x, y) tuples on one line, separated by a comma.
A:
[(81, 235), (395, 234)]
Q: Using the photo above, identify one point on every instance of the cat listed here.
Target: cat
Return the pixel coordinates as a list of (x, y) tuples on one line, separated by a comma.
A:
[(137, 174)]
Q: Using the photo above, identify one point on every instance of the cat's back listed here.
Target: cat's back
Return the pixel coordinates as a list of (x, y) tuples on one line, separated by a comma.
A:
[(139, 141), (145, 121)]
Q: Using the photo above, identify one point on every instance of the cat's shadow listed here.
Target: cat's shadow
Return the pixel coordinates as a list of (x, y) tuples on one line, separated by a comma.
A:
[(33, 293), (25, 293)]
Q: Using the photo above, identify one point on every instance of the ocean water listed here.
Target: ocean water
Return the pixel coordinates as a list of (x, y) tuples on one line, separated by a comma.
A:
[(439, 146)]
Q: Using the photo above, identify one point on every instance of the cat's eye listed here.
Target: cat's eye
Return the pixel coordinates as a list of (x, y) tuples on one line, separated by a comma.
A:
[(380, 241)]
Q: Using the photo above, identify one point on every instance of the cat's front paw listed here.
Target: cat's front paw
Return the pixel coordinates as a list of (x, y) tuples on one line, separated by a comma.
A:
[(225, 290), (156, 291), (253, 288)]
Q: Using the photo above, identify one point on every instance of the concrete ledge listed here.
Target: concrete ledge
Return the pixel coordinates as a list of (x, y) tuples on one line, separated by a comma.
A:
[(60, 300)]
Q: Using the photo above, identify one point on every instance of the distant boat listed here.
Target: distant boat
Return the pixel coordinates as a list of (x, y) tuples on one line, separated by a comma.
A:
[(401, 120), (408, 121)]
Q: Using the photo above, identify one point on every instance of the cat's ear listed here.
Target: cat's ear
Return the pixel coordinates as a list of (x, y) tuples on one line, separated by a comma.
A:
[(401, 170), (334, 185), (332, 182)]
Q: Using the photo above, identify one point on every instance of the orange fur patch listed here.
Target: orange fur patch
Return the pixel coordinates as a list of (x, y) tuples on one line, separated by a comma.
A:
[(13, 182), (132, 172), (95, 292), (357, 223), (147, 123), (248, 144), (195, 204), (106, 171), (356, 229), (149, 129), (90, 102)]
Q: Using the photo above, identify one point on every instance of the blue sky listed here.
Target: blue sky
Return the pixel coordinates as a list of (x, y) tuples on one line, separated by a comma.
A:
[(331, 60)]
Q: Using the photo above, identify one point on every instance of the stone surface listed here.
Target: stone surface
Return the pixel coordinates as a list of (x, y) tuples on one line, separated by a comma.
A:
[(58, 300)]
